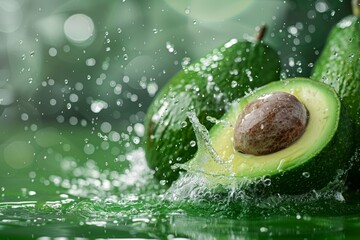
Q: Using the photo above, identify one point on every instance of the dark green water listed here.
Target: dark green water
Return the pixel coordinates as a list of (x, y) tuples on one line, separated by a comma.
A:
[(77, 186)]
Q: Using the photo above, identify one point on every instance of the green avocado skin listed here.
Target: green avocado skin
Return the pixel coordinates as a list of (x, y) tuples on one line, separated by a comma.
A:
[(205, 87), (339, 66)]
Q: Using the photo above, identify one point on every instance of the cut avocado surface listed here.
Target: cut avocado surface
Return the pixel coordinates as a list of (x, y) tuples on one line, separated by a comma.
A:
[(310, 162), (206, 87)]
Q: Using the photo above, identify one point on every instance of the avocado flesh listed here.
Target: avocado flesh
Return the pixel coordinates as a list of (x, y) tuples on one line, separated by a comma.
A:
[(309, 163), (206, 87)]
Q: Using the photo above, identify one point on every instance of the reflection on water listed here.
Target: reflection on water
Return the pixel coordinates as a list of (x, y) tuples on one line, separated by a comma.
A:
[(87, 202), (145, 217)]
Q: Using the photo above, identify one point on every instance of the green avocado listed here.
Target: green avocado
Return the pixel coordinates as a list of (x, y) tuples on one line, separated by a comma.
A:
[(310, 162), (339, 67), (205, 87)]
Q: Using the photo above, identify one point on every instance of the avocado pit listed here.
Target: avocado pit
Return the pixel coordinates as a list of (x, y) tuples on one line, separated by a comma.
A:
[(270, 123)]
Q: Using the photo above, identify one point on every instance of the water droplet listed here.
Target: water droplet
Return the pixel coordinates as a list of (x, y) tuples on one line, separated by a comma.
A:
[(192, 143), (170, 47), (339, 197), (32, 53), (125, 56), (89, 149), (293, 30), (136, 140), (98, 105), (119, 30), (163, 182), (187, 11), (74, 97), (73, 120), (52, 102), (345, 23), (234, 72), (183, 124), (185, 61), (152, 88), (311, 14), (194, 22), (90, 62), (321, 6), (238, 59), (280, 166), (291, 62), (248, 74), (52, 52), (24, 116), (66, 48), (267, 182), (79, 28), (234, 84), (306, 174), (155, 31)]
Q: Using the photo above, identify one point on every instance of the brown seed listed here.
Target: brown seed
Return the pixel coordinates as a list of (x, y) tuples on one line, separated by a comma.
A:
[(270, 123)]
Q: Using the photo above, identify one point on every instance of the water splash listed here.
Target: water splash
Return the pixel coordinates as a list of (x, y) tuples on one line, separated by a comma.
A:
[(244, 197), (203, 138)]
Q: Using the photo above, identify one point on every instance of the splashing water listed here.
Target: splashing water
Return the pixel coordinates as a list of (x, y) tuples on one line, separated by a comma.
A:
[(88, 202), (244, 197)]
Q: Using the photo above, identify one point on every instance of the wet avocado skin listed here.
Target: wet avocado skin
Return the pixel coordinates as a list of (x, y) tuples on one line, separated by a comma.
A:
[(206, 87), (339, 66)]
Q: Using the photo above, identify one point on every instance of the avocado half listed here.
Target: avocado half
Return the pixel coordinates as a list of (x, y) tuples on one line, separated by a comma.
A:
[(309, 163)]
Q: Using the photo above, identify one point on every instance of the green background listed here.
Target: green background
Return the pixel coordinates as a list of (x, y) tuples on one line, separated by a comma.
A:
[(76, 79)]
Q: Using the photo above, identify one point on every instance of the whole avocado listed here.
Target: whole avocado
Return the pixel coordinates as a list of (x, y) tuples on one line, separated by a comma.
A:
[(339, 67), (205, 87), (339, 64)]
